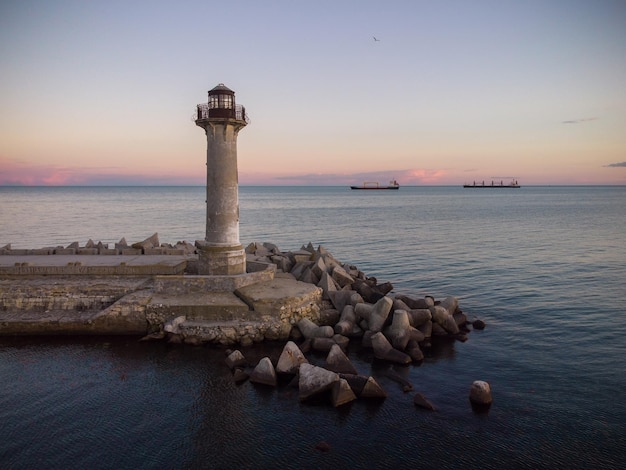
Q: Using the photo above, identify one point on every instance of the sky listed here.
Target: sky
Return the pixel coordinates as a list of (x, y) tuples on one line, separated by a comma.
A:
[(338, 92)]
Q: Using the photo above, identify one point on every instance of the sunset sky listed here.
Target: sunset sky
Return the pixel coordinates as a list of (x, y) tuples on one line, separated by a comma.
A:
[(97, 93)]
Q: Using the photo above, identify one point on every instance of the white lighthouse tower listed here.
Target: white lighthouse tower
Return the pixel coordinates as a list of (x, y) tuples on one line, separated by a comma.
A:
[(221, 253)]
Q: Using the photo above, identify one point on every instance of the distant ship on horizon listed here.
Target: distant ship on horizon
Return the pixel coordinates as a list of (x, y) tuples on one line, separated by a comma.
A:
[(374, 185), (513, 184)]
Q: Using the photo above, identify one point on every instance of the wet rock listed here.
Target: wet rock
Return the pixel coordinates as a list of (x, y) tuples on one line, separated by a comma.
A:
[(290, 359), (264, 373), (478, 324), (422, 402), (426, 329), (383, 350), (337, 361), (159, 335), (322, 344), (480, 396), (413, 349), (193, 340), (393, 375), (173, 325), (314, 380), (341, 341), (372, 389), (443, 318), (240, 376), (366, 340), (450, 303), (460, 318), (235, 359), (437, 330), (174, 338), (322, 446), (311, 330), (356, 382), (450, 325), (342, 393)]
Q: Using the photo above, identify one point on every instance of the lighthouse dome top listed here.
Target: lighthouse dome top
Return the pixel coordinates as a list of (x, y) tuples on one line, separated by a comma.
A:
[(221, 88)]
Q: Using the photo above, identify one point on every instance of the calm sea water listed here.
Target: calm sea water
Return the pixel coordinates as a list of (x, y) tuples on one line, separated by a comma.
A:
[(545, 267)]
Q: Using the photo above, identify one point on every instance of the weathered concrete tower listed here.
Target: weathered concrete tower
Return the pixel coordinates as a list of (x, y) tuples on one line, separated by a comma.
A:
[(221, 253)]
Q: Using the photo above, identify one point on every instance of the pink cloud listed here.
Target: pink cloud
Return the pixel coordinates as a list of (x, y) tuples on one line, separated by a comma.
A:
[(15, 173)]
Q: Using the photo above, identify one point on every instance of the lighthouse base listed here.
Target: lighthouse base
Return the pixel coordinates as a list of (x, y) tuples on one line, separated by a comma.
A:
[(220, 260)]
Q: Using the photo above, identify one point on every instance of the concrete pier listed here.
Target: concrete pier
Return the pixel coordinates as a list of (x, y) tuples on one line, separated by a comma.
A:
[(141, 294)]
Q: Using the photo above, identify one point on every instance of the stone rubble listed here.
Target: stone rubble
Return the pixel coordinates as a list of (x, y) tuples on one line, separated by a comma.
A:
[(397, 327), (148, 246), (364, 307)]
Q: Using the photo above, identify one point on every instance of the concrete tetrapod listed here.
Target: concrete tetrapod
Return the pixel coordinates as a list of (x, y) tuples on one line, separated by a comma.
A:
[(400, 331), (346, 322), (235, 359), (325, 344), (372, 389), (314, 380), (444, 318), (413, 349), (375, 315), (415, 303), (344, 297), (364, 386), (311, 330), (342, 393), (290, 359), (264, 373), (450, 303), (337, 361), (385, 351), (419, 316)]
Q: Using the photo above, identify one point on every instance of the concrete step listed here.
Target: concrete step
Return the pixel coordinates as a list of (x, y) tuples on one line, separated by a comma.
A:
[(207, 306)]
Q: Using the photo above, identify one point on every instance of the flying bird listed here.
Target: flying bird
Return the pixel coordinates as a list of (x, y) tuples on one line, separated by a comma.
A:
[(376, 39)]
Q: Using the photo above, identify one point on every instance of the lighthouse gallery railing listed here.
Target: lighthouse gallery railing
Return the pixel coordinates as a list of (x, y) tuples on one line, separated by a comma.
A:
[(240, 112)]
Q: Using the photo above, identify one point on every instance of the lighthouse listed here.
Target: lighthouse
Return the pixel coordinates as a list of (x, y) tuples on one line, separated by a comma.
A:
[(221, 253)]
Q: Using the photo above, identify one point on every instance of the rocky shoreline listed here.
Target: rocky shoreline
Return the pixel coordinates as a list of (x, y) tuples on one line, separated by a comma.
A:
[(397, 327)]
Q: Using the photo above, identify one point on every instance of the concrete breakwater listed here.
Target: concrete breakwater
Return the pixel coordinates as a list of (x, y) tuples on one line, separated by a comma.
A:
[(149, 246), (304, 296), (283, 295)]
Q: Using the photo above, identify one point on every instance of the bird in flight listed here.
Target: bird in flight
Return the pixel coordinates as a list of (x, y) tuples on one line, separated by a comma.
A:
[(378, 40)]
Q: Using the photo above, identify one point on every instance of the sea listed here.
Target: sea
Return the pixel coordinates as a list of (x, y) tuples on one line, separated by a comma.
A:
[(543, 266)]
